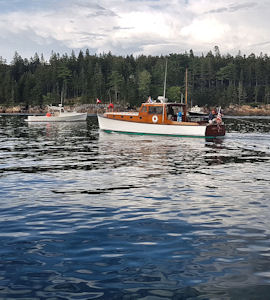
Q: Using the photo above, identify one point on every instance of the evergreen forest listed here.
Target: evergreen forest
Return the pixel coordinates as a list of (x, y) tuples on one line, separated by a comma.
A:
[(213, 79)]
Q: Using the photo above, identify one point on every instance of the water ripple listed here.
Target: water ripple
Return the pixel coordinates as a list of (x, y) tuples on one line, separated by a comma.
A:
[(90, 215)]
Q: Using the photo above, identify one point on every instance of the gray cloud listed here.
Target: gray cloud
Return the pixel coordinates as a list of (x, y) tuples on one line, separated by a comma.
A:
[(88, 4), (236, 7), (103, 12), (260, 44), (218, 10), (122, 28), (27, 46), (143, 0), (232, 8), (94, 9), (88, 38)]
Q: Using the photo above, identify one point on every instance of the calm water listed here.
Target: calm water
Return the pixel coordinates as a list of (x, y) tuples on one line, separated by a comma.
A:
[(91, 215)]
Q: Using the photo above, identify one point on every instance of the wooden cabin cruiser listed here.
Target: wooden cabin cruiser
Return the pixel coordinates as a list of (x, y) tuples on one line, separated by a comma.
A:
[(161, 118)]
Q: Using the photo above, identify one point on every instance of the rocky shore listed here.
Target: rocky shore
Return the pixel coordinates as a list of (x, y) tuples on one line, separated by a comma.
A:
[(89, 108), (247, 110), (232, 110)]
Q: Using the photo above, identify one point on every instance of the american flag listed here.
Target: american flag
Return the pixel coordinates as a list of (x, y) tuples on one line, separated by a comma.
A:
[(219, 118)]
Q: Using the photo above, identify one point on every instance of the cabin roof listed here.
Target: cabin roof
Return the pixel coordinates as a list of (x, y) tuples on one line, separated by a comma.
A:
[(164, 104)]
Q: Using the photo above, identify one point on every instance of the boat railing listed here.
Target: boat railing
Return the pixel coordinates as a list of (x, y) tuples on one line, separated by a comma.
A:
[(126, 113)]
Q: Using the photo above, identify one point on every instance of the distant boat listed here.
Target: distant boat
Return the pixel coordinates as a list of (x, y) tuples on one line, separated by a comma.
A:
[(197, 111), (197, 114), (58, 114)]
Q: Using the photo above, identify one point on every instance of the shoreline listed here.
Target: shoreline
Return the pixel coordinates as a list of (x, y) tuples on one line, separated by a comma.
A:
[(266, 117), (247, 110), (93, 109)]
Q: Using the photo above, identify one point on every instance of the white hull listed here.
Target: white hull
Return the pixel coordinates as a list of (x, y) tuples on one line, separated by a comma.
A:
[(148, 128), (63, 117)]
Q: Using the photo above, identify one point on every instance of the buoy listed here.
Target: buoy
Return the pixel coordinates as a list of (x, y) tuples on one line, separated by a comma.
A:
[(48, 114), (155, 119)]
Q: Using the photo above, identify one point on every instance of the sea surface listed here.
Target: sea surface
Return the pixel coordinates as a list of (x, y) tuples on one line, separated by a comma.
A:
[(86, 214)]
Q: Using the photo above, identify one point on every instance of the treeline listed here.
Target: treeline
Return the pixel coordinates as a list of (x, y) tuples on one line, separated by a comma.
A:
[(213, 79)]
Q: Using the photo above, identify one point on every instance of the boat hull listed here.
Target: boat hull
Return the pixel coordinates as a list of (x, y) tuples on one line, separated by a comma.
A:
[(64, 117), (198, 130), (213, 130)]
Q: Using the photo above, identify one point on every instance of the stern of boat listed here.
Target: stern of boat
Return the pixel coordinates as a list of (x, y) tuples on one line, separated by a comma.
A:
[(213, 130)]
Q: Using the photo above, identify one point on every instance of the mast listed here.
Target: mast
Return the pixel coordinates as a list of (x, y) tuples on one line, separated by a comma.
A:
[(186, 85), (62, 96), (164, 91), (186, 94)]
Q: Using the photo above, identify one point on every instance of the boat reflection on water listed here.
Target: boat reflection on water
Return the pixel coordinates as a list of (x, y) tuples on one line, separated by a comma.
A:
[(54, 129), (159, 154), (216, 140), (180, 155)]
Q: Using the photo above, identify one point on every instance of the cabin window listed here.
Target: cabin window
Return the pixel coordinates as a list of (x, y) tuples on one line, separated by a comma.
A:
[(155, 110), (172, 112), (144, 109)]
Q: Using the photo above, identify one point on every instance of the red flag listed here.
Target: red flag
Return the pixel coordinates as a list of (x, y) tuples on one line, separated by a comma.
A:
[(98, 101)]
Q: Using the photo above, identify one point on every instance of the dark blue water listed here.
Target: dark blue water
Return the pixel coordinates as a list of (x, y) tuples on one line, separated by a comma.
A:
[(90, 215)]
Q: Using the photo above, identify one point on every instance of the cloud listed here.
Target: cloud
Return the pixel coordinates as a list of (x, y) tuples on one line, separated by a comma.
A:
[(205, 30), (219, 6), (31, 46), (133, 26), (261, 44), (232, 8), (62, 25), (236, 7), (84, 24)]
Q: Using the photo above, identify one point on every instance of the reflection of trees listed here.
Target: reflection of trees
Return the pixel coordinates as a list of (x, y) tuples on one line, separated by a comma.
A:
[(247, 124)]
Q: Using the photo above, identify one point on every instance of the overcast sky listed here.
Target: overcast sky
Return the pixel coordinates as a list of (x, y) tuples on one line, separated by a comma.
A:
[(150, 27)]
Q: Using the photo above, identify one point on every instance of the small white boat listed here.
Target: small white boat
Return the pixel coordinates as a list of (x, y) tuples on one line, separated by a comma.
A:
[(196, 111), (58, 114), (197, 114)]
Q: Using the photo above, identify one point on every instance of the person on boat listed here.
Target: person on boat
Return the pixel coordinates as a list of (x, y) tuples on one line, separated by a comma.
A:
[(149, 100), (211, 117), (170, 113), (179, 117), (110, 107)]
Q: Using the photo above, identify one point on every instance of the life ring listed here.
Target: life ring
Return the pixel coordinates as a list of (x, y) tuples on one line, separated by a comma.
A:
[(154, 119)]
